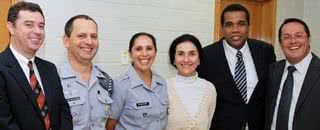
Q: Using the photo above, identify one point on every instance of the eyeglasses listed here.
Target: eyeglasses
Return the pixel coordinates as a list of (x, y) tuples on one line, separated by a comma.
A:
[(298, 37)]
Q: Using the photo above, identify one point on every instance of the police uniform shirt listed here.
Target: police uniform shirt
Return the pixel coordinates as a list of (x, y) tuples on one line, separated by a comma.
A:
[(137, 107), (88, 101)]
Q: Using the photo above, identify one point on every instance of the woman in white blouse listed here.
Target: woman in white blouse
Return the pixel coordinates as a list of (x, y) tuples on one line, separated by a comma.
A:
[(192, 100)]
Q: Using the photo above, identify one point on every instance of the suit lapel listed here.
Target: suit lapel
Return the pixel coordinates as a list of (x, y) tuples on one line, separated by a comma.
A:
[(312, 76), (276, 76), (44, 74), (17, 73), (256, 57)]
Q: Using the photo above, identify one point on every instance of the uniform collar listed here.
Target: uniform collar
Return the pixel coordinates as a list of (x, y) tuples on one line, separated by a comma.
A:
[(68, 71), (136, 81)]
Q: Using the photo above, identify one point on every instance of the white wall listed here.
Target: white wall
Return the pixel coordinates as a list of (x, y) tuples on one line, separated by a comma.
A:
[(311, 17), (118, 20)]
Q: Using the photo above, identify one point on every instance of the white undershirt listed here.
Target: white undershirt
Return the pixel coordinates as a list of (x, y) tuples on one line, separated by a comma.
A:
[(23, 62), (298, 78), (190, 91), (252, 77)]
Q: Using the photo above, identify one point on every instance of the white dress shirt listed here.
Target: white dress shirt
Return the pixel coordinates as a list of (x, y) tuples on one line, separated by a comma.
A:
[(251, 74), (23, 62), (298, 78)]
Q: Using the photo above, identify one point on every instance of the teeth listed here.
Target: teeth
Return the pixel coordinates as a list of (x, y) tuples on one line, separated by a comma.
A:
[(293, 48), (186, 65), (86, 49), (144, 61), (33, 39), (235, 37)]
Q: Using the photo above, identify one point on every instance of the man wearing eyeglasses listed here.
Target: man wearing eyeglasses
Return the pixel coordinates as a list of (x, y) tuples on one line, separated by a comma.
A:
[(294, 89)]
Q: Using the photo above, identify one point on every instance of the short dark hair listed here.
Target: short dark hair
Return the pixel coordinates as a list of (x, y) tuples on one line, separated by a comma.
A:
[(293, 20), (234, 8), (135, 36), (69, 25), (184, 38), (26, 6)]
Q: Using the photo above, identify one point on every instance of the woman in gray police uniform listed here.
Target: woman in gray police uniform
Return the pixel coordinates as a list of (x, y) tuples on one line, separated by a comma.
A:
[(140, 100), (86, 88)]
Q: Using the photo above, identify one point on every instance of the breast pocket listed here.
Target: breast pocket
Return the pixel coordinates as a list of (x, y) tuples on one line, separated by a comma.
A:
[(164, 107), (138, 110), (104, 103), (75, 101)]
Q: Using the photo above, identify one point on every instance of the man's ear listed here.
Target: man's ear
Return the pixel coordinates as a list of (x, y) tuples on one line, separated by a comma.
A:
[(10, 27), (66, 41)]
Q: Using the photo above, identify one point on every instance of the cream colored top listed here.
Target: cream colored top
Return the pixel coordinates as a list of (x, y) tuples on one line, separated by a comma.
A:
[(180, 117)]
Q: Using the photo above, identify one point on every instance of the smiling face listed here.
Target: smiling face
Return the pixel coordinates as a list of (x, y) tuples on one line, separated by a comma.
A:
[(27, 32), (294, 42), (143, 53), (235, 28), (186, 59), (83, 42)]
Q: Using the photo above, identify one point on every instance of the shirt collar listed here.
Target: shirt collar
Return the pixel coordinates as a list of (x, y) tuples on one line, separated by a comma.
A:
[(190, 79), (234, 51), (301, 66), (137, 81), (68, 71), (20, 58)]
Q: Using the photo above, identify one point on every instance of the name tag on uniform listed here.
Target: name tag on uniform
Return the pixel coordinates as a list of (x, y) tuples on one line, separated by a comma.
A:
[(140, 104), (73, 99)]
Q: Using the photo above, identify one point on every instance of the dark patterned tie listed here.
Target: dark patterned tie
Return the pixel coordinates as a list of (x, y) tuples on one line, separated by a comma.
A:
[(285, 101), (41, 100), (240, 77)]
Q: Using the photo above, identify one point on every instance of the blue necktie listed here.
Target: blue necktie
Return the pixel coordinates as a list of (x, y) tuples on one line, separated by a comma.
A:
[(285, 101)]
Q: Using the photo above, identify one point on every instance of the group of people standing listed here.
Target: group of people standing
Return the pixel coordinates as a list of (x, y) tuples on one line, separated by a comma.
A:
[(233, 84)]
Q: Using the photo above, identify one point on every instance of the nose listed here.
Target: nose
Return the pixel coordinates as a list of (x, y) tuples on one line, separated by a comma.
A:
[(293, 40), (38, 30), (185, 59), (144, 52), (89, 40), (235, 28)]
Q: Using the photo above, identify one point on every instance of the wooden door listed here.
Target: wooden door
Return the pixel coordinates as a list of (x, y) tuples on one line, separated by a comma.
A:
[(4, 34), (262, 18)]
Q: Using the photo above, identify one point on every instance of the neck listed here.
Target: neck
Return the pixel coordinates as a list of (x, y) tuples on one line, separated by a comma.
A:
[(84, 69), (25, 54), (146, 77)]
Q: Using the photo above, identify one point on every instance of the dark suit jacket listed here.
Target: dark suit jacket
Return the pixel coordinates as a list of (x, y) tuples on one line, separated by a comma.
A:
[(231, 111), (18, 107), (307, 112)]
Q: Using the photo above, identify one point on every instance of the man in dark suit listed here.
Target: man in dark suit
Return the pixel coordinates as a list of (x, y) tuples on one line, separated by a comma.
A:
[(294, 90), (31, 96), (238, 67)]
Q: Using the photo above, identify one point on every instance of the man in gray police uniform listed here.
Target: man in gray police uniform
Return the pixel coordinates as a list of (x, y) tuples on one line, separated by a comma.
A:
[(86, 87)]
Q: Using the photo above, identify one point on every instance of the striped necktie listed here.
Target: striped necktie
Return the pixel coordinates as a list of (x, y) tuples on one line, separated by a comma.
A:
[(41, 100), (240, 77)]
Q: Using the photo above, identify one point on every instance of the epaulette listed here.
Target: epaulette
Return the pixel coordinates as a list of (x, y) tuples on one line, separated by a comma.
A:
[(105, 82)]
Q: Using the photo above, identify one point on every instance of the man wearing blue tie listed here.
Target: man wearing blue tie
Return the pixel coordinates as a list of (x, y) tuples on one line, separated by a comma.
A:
[(294, 86)]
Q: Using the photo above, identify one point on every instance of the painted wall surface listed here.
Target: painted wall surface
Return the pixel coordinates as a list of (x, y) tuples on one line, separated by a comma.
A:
[(118, 20)]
